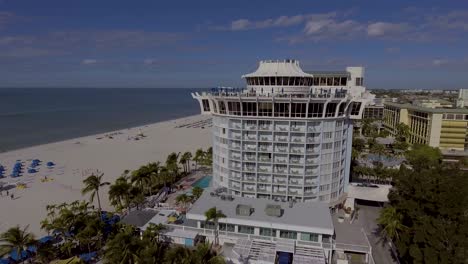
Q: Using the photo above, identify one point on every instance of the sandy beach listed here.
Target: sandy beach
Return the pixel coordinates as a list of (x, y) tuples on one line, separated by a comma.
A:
[(110, 153)]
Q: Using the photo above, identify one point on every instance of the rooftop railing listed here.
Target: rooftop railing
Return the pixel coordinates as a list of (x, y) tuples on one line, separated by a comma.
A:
[(338, 94)]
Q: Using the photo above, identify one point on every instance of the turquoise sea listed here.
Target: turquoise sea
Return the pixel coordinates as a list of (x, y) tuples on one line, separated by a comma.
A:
[(33, 116)]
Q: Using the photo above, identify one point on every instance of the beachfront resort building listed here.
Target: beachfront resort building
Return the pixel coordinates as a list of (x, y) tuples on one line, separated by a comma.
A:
[(445, 128), (287, 135)]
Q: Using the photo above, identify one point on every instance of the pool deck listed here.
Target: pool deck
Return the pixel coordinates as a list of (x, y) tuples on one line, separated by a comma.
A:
[(186, 184)]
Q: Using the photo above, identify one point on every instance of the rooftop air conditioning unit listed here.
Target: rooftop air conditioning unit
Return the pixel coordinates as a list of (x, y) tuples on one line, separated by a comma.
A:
[(274, 210), (244, 210)]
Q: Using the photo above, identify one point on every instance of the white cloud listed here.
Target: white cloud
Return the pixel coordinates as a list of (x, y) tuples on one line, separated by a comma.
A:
[(89, 61), (282, 21), (379, 29), (440, 62)]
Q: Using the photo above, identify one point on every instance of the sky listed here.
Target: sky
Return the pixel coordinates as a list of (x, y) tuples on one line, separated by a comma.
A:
[(403, 44)]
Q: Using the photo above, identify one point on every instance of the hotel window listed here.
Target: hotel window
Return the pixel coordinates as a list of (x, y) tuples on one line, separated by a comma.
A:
[(249, 109), (326, 146), (323, 81), (336, 81), (298, 109), (206, 105), (331, 109), (341, 108), (355, 107), (282, 109), (327, 135), (329, 81), (222, 107), (309, 237), (265, 109), (245, 229), (343, 81), (359, 81), (208, 225), (288, 234), (227, 227), (316, 80), (268, 232), (234, 108), (261, 81), (315, 110)]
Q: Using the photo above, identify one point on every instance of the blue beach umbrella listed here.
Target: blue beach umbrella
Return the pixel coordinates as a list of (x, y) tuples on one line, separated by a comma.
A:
[(50, 164)]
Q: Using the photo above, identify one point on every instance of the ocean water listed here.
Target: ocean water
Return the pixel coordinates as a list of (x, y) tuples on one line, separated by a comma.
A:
[(35, 116)]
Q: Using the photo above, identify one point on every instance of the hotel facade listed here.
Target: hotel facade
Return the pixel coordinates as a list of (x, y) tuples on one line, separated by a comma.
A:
[(445, 128), (287, 135)]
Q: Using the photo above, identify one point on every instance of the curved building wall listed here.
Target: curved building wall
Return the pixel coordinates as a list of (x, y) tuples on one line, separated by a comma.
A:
[(284, 159)]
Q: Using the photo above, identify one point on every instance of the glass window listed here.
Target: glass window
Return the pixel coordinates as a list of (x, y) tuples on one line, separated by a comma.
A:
[(282, 109), (288, 234), (265, 109), (245, 229), (268, 232), (208, 225), (227, 227), (309, 237)]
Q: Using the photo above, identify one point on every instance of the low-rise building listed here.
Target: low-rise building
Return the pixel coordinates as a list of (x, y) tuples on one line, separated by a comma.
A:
[(446, 128), (262, 230), (462, 100)]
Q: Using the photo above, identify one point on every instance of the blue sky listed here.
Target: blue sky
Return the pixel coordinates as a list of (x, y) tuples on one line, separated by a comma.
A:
[(57, 43)]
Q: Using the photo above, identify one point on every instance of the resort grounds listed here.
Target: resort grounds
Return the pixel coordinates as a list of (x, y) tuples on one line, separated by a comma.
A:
[(73, 160)]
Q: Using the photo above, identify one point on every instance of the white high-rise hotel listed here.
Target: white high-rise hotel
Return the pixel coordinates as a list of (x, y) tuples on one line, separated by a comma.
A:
[(287, 135)]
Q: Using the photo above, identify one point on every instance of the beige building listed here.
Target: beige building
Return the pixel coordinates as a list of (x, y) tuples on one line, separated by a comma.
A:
[(437, 127)]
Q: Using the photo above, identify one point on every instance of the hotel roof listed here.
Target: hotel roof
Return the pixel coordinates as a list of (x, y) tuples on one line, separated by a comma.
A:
[(431, 110), (286, 68), (311, 217)]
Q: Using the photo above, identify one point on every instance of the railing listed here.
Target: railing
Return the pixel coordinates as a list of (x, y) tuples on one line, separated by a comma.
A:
[(249, 94), (351, 247)]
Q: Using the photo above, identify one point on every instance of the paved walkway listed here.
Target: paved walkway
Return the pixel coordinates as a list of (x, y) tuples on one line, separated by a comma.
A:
[(381, 252)]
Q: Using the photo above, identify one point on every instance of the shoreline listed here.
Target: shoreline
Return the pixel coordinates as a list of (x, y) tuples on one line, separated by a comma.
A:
[(95, 134), (77, 157)]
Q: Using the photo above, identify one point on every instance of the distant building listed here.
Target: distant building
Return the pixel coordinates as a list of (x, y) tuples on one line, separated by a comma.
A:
[(433, 103), (462, 100), (437, 127)]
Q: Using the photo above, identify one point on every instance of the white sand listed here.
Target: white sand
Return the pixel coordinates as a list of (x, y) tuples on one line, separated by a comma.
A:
[(110, 156)]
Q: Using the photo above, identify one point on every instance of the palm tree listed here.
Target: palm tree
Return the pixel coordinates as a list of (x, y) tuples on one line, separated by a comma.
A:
[(378, 149), (92, 185), (15, 239), (153, 232), (198, 156), (124, 247), (142, 178), (183, 199), (214, 215), (391, 222), (203, 253), (178, 255), (119, 193), (197, 192), (187, 156)]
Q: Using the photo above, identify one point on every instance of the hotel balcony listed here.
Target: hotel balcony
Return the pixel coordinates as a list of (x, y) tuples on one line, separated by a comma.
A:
[(249, 137), (248, 187), (235, 176), (296, 171), (265, 137), (297, 150), (249, 157), (280, 169), (296, 160), (310, 171), (235, 124), (267, 127), (314, 150), (296, 181), (312, 160), (264, 158), (298, 129), (235, 185), (264, 169), (310, 192), (248, 126), (263, 188), (281, 149), (249, 168), (281, 160), (236, 136), (281, 137), (264, 178), (251, 147), (313, 139), (297, 139), (249, 178), (283, 128), (265, 148), (235, 145), (313, 128), (280, 180), (235, 156), (279, 190), (295, 191)]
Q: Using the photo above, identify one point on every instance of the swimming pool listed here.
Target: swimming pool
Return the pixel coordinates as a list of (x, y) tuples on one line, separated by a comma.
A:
[(203, 182)]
